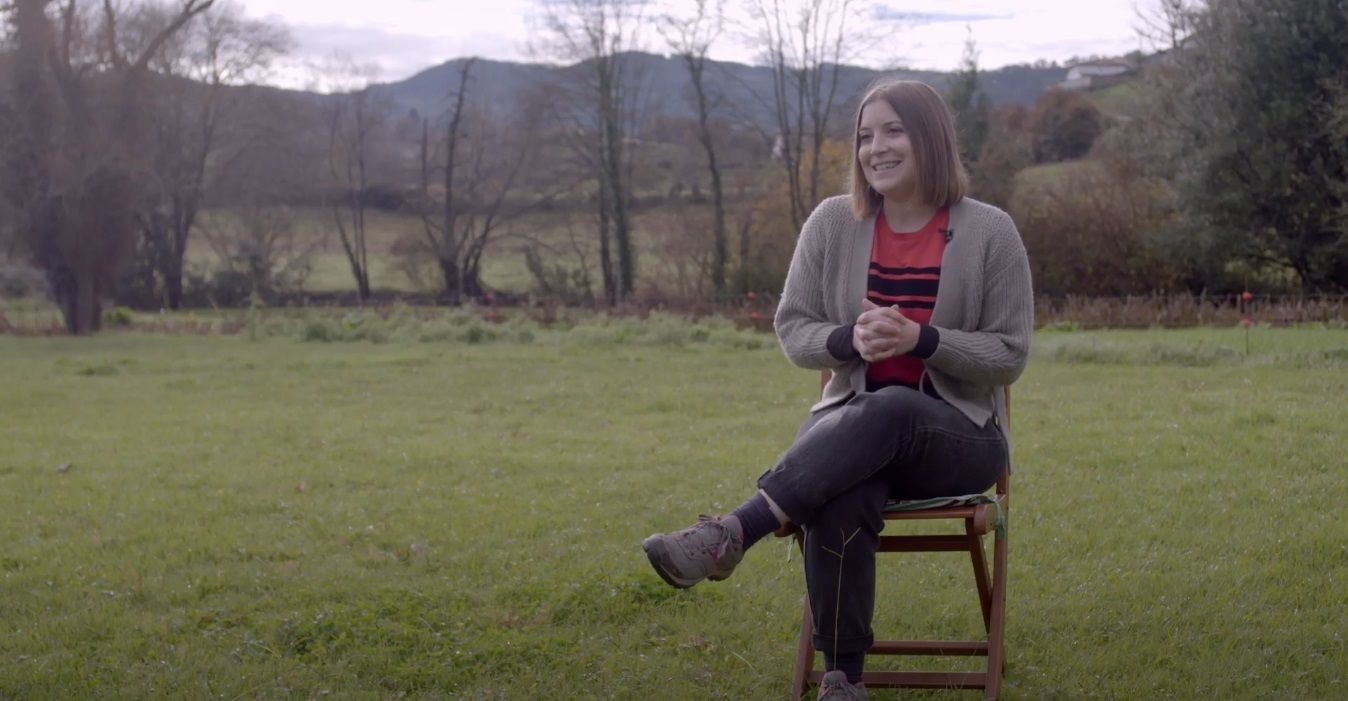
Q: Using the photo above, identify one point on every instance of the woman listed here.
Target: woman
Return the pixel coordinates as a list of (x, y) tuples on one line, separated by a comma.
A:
[(918, 299)]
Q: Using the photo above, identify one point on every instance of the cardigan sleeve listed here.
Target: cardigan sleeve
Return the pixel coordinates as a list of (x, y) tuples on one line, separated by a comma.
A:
[(802, 323), (997, 351)]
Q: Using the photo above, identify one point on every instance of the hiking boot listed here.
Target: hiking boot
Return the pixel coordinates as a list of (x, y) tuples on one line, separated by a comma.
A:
[(835, 687), (709, 549)]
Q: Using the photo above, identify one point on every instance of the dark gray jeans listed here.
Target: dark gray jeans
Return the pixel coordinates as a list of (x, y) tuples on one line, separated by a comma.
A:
[(835, 478)]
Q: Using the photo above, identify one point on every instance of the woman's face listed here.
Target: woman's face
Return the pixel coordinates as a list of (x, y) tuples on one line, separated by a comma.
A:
[(884, 152)]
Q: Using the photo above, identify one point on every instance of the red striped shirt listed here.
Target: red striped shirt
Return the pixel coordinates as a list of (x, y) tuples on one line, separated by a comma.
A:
[(905, 271)]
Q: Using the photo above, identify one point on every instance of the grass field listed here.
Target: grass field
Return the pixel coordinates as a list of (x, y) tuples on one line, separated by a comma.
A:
[(461, 518)]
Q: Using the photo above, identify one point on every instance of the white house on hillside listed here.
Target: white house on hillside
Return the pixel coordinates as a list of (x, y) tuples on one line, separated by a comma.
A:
[(1094, 75)]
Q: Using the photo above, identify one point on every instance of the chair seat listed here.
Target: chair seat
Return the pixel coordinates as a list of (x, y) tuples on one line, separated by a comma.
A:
[(984, 510)]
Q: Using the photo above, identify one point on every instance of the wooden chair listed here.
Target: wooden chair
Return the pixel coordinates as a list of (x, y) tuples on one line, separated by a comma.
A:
[(979, 520)]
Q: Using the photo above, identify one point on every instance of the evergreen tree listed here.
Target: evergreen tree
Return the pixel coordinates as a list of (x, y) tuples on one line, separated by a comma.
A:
[(1263, 128), (970, 106)]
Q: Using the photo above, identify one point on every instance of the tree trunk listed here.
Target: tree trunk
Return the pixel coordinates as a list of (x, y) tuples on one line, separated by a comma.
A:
[(719, 244), (173, 286), (605, 256), (743, 274), (83, 317), (449, 272)]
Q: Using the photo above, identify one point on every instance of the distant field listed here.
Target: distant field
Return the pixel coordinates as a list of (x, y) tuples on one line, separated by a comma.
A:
[(1120, 100), (668, 239), (1047, 174), (453, 515)]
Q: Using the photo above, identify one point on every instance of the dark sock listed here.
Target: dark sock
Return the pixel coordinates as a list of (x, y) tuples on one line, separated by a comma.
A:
[(756, 518), (851, 665)]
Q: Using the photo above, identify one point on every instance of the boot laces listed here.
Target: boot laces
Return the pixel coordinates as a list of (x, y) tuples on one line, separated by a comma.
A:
[(717, 546)]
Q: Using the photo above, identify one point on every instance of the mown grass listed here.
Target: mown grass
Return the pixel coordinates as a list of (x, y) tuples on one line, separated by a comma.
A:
[(267, 517)]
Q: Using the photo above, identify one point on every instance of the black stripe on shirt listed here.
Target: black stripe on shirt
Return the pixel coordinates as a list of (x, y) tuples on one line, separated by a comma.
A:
[(906, 304), (877, 268), (903, 288)]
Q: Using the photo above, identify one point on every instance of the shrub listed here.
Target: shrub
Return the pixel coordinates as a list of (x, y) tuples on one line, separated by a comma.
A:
[(1088, 230), (117, 316), (1065, 124), (320, 328), (17, 281)]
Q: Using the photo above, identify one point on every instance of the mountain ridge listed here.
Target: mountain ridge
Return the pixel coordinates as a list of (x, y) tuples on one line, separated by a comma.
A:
[(664, 83)]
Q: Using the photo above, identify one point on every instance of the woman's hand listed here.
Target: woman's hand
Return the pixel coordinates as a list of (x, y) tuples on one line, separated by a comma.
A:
[(883, 332)]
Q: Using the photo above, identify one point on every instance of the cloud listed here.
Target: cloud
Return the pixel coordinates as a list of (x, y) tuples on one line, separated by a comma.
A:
[(889, 14), (382, 56), (402, 37)]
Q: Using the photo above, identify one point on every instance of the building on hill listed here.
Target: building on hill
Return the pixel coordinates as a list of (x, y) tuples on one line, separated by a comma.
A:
[(1095, 75)]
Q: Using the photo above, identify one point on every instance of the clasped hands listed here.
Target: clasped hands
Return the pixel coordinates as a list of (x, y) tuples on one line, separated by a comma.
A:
[(883, 332)]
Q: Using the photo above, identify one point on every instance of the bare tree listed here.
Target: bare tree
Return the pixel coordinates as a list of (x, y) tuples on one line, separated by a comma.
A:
[(691, 38), (599, 35), (77, 161), (1165, 24), (805, 44), (263, 249), (561, 272), (479, 163), (353, 118), (214, 52)]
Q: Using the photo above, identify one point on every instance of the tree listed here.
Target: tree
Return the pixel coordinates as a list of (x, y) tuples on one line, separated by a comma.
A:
[(691, 38), (1087, 226), (806, 43), (483, 156), (193, 101), (1166, 24), (1008, 150), (600, 35), (77, 159), (1065, 124), (354, 118), (1265, 165), (970, 105), (262, 252)]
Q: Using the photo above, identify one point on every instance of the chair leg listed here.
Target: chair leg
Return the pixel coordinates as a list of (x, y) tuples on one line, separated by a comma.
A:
[(980, 574), (997, 627), (804, 653)]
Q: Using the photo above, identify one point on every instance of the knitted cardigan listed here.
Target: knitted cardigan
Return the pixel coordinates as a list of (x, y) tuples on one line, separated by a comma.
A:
[(984, 309)]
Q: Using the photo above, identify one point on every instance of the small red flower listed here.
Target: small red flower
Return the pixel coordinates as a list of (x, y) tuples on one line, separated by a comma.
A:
[(750, 295), (1247, 323), (1246, 295)]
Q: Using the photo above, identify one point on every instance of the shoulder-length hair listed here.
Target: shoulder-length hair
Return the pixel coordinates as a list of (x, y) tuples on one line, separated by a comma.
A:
[(941, 180)]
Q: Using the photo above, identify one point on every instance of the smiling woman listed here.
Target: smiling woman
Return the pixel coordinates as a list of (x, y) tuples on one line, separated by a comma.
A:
[(905, 123), (918, 301)]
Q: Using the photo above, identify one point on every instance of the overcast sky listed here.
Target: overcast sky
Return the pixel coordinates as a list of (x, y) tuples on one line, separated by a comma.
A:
[(397, 38)]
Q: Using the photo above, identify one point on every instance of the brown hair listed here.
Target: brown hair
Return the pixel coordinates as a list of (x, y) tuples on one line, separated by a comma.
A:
[(941, 180)]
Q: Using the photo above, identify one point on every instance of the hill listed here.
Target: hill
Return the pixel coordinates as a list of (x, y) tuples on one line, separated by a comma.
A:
[(664, 83)]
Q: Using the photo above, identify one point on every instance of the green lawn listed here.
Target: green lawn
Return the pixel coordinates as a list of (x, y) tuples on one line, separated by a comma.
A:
[(273, 518)]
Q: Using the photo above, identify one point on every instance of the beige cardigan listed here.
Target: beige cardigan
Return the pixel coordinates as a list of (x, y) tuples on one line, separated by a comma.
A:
[(984, 307)]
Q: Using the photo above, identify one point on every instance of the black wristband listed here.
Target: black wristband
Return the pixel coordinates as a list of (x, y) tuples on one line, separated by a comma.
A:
[(840, 343), (928, 338)]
